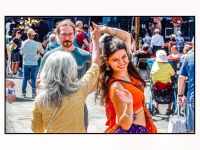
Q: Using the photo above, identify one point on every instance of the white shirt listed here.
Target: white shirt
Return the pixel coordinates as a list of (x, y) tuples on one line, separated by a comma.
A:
[(7, 28), (157, 40), (177, 55)]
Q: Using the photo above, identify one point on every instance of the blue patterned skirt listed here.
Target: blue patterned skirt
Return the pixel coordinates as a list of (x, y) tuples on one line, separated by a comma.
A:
[(133, 129)]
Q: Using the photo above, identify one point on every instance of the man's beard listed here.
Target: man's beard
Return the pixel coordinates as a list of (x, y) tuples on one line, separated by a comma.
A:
[(67, 45)]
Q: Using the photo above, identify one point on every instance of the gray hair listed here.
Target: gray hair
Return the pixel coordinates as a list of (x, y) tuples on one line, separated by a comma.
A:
[(26, 28), (187, 47), (59, 78), (101, 39), (78, 23), (173, 36), (52, 37)]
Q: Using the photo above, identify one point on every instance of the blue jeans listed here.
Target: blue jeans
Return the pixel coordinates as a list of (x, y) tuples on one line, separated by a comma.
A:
[(29, 69), (190, 117)]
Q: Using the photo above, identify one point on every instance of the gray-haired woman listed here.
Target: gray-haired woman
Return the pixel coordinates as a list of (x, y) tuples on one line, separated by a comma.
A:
[(53, 43), (63, 94)]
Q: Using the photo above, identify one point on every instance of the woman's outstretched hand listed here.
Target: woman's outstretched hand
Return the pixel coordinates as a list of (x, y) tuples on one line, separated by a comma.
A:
[(125, 96)]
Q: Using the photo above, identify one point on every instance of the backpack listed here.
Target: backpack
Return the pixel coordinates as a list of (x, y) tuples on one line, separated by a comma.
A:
[(75, 42)]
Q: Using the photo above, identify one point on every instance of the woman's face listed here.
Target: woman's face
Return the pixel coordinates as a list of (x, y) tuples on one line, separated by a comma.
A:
[(119, 61)]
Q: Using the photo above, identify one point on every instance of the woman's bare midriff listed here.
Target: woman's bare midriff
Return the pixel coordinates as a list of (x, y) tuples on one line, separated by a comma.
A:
[(140, 118)]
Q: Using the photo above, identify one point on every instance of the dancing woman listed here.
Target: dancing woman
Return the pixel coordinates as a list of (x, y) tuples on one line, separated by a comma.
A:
[(122, 86)]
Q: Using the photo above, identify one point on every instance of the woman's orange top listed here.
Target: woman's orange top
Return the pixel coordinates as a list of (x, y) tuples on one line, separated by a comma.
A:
[(137, 92)]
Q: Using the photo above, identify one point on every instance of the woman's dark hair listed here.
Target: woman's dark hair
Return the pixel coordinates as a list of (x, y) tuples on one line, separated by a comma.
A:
[(109, 46), (15, 31)]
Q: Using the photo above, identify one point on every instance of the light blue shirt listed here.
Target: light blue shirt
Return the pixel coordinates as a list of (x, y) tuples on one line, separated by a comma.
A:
[(29, 50), (157, 40)]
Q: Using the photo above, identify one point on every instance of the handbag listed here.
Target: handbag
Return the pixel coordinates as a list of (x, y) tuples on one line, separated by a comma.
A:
[(177, 122)]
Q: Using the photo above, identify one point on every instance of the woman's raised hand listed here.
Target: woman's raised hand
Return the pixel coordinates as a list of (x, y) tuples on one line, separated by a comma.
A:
[(125, 96), (96, 34), (101, 28)]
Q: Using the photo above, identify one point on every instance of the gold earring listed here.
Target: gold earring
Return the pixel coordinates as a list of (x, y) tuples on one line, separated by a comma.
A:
[(108, 67)]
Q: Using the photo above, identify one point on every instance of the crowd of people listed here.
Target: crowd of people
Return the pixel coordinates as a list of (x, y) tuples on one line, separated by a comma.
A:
[(73, 60)]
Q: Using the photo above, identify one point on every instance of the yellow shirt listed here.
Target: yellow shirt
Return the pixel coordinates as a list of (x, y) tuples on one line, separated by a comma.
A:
[(161, 72), (69, 117)]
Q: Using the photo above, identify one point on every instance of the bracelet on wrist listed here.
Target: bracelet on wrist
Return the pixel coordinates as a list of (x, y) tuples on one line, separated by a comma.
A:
[(116, 32), (180, 95), (127, 115)]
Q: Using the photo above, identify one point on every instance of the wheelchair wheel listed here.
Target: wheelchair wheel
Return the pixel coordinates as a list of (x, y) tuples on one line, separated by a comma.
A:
[(155, 111), (173, 108)]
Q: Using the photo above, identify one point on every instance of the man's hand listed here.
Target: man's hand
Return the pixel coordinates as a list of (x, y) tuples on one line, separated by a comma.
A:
[(181, 101), (8, 63), (15, 47)]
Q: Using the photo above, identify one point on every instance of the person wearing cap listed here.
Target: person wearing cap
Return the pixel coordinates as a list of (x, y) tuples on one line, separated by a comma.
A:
[(162, 71), (172, 42), (157, 42), (30, 49), (16, 42), (180, 41)]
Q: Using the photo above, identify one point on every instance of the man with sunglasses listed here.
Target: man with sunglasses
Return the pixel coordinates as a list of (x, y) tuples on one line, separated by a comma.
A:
[(66, 34)]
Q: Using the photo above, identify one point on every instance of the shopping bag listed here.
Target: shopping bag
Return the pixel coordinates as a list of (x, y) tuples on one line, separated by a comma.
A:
[(8, 71), (44, 43), (177, 122)]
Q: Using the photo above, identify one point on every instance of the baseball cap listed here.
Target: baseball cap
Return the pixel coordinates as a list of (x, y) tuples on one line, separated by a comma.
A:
[(18, 32)]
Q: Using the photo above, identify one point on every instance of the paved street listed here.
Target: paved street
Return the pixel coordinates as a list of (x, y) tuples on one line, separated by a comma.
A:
[(19, 114)]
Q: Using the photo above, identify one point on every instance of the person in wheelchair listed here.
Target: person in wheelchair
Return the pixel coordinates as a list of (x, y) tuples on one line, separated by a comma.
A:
[(161, 77)]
